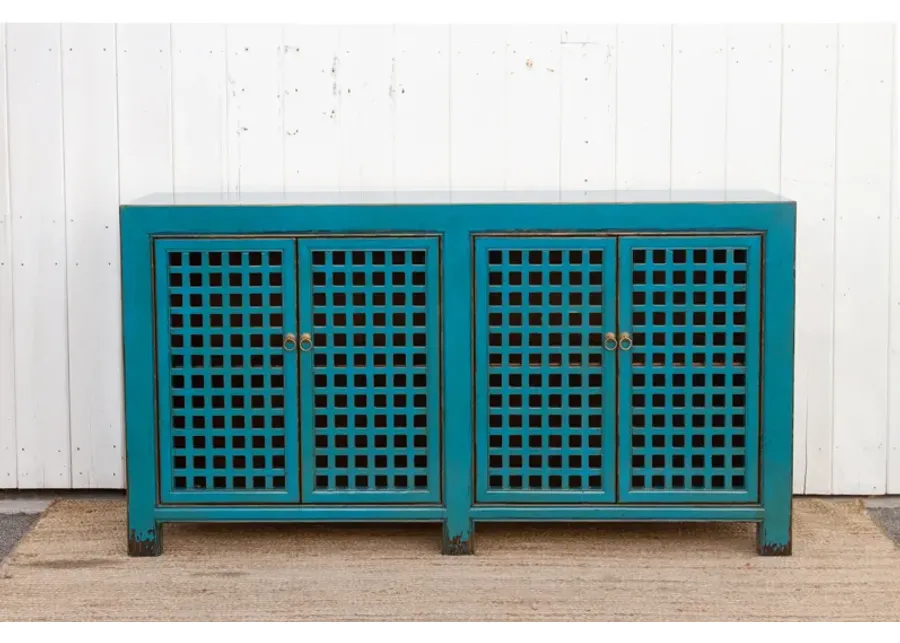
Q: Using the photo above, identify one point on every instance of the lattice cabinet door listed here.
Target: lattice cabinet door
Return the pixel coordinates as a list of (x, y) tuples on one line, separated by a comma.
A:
[(689, 384), (544, 381), (227, 383), (370, 315)]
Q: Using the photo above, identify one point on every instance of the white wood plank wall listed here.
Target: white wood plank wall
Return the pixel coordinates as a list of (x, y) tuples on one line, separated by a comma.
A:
[(93, 115)]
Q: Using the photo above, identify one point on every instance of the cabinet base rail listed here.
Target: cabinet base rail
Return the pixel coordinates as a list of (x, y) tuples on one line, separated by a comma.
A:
[(145, 535)]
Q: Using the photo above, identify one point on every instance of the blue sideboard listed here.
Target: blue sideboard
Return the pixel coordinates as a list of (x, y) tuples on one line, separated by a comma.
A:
[(459, 358)]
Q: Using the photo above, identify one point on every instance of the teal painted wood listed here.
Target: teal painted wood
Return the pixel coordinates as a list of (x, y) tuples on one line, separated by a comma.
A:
[(688, 405), (584, 218), (618, 512), (456, 227), (227, 388), (371, 397), (301, 513), (144, 530), (776, 462), (545, 385), (458, 454)]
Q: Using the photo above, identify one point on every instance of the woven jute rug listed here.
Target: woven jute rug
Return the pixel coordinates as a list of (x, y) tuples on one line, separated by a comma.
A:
[(73, 566)]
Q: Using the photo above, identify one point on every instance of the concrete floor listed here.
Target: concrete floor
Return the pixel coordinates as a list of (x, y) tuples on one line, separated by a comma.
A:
[(19, 511), (888, 518), (12, 528)]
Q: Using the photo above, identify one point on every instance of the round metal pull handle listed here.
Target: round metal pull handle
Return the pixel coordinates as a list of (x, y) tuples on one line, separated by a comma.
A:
[(610, 342), (625, 341), (290, 342), (306, 343)]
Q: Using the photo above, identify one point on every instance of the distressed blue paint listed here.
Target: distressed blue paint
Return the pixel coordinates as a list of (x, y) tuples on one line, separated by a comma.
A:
[(774, 532), (624, 512), (295, 513), (455, 377), (587, 218), (545, 385), (688, 404), (458, 532), (144, 532), (372, 397)]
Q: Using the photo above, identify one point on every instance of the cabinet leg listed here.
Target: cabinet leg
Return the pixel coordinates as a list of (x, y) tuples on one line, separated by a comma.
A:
[(773, 536), (144, 538), (459, 540)]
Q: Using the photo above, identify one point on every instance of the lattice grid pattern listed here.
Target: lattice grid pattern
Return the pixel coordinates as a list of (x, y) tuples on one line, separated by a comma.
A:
[(546, 309), (693, 312), (225, 321), (374, 371)]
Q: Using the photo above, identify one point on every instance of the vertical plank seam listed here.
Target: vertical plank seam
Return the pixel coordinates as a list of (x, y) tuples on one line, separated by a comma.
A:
[(616, 114), (172, 103), (781, 191), (10, 244), (124, 480), (559, 139), (449, 113), (336, 62), (282, 51), (505, 31), (671, 97), (393, 106), (223, 130), (450, 186), (118, 465), (891, 256), (834, 206), (226, 142), (781, 124), (118, 115), (617, 98), (727, 103), (284, 90), (65, 258)]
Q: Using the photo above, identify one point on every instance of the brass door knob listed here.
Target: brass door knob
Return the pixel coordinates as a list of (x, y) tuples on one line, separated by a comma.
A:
[(306, 343), (625, 341), (610, 342), (290, 342)]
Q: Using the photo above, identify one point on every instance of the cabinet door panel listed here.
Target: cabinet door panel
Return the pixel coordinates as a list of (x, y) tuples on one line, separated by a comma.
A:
[(370, 383), (227, 388), (689, 386), (544, 383)]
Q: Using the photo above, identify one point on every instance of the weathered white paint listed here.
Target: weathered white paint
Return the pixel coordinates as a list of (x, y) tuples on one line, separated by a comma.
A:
[(255, 130), (38, 211), (92, 234), (8, 451), (588, 109), (478, 107), (644, 108), (199, 99), (312, 157), (92, 115), (532, 68), (366, 108), (144, 60), (808, 128), (862, 253), (420, 91), (699, 106)]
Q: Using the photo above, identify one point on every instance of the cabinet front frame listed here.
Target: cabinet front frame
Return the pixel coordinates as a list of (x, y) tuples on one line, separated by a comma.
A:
[(457, 223)]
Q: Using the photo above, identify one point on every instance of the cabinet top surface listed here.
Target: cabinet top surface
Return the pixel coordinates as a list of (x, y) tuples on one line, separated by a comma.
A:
[(425, 197)]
